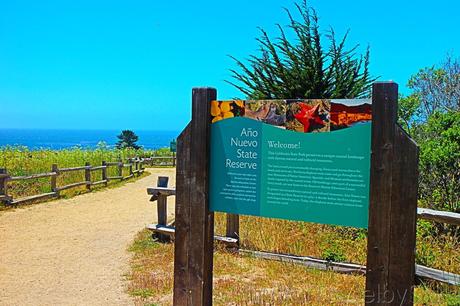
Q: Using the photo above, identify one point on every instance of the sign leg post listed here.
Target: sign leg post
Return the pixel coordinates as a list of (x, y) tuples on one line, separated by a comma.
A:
[(193, 258), (393, 204)]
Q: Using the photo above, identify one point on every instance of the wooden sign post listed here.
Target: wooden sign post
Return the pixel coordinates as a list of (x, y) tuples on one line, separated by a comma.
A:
[(392, 209), (193, 253), (393, 204)]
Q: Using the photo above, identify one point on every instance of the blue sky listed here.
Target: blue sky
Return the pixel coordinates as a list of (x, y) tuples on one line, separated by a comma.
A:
[(132, 64)]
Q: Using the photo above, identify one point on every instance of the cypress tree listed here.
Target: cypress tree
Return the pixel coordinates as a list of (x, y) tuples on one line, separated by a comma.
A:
[(303, 68)]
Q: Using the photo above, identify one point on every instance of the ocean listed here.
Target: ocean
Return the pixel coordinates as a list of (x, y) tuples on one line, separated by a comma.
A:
[(36, 139)]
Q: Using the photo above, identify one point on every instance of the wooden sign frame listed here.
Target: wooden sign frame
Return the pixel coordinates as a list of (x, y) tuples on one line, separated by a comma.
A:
[(390, 271)]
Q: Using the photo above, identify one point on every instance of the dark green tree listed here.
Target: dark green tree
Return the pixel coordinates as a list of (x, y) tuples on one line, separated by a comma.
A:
[(431, 115), (127, 139), (409, 112), (303, 67), (439, 183), (440, 160)]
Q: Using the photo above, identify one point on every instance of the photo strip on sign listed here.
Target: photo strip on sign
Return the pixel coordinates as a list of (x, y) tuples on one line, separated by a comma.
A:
[(305, 160)]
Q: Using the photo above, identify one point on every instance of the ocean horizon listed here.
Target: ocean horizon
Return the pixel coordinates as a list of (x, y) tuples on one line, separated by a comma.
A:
[(58, 139)]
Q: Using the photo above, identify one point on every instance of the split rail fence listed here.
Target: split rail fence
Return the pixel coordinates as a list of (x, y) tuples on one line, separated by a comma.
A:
[(134, 165)]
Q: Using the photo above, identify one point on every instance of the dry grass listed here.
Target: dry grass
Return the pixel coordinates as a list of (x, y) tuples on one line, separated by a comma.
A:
[(299, 238), (244, 280), (337, 242)]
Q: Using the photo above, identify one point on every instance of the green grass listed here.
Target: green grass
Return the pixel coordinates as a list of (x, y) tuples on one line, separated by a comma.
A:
[(20, 161), (143, 293), (142, 245)]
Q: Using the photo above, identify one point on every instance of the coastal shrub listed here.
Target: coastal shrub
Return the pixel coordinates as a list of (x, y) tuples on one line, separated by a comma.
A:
[(333, 252)]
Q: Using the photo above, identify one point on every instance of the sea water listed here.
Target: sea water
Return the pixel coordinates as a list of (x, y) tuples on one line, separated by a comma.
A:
[(36, 139)]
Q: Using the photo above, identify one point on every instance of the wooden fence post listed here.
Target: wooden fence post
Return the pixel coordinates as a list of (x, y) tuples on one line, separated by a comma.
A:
[(104, 172), (54, 168), (88, 175), (3, 185), (182, 220), (233, 227), (120, 168), (130, 167), (194, 222), (393, 204), (174, 159), (162, 208), (141, 166), (161, 203)]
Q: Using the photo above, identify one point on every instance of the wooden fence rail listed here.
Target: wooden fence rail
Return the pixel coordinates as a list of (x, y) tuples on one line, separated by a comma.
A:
[(421, 272), (162, 161), (438, 216), (72, 169), (5, 178), (33, 176)]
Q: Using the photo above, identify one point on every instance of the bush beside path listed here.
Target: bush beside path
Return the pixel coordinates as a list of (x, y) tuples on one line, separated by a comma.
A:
[(74, 251)]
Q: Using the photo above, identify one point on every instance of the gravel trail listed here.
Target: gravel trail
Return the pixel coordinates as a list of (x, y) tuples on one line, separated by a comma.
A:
[(74, 251)]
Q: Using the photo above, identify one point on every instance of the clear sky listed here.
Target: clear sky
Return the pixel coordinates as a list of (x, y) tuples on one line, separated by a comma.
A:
[(132, 64)]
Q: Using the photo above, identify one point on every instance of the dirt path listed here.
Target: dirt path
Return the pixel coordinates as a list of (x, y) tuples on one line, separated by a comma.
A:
[(74, 251)]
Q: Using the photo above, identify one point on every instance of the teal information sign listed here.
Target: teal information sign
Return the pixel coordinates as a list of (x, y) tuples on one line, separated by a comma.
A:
[(173, 145), (306, 160)]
